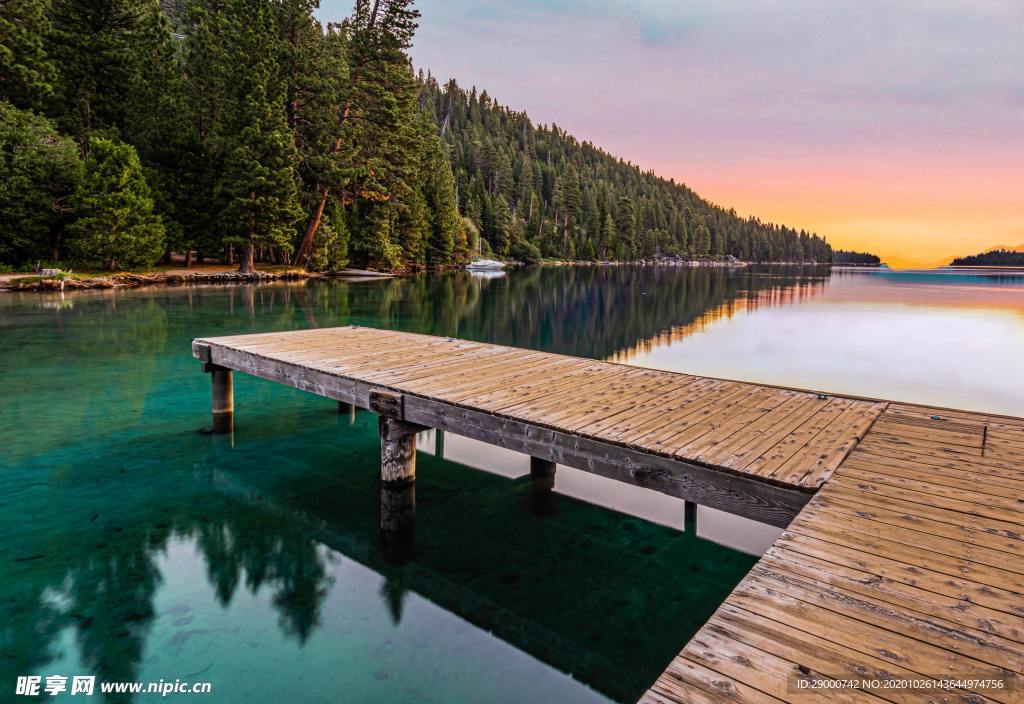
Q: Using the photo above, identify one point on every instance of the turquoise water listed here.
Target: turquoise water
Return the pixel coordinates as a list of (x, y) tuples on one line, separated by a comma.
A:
[(134, 548)]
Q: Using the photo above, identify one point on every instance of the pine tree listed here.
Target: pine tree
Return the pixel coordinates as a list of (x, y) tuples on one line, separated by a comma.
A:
[(524, 190), (439, 196), (26, 71), (39, 171), (570, 203), (313, 70), (115, 223), (379, 32), (208, 72), (102, 49), (259, 185), (717, 243), (588, 252), (625, 228), (699, 233), (607, 249), (331, 251), (158, 125), (502, 237)]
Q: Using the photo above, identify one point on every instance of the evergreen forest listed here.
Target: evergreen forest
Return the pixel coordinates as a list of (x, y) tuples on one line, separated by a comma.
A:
[(249, 132)]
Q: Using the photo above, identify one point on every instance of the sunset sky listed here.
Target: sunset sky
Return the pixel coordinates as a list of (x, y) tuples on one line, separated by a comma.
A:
[(894, 127)]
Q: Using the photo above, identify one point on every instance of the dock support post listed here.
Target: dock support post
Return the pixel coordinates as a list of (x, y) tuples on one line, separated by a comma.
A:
[(439, 444), (223, 397), (397, 488), (397, 450), (397, 473), (690, 517)]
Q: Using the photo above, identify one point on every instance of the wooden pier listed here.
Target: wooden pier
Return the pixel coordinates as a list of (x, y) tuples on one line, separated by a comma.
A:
[(908, 561), (752, 450)]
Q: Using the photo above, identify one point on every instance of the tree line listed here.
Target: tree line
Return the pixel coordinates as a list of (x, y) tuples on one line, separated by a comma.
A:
[(997, 257), (247, 130), (851, 258)]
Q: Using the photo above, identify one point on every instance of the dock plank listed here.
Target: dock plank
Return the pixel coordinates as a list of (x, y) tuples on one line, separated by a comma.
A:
[(907, 562)]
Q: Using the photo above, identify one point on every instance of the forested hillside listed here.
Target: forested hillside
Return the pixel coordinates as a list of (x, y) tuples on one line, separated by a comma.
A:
[(521, 182), (246, 131)]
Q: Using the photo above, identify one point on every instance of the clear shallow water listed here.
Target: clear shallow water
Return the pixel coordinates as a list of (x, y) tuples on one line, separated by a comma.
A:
[(134, 548)]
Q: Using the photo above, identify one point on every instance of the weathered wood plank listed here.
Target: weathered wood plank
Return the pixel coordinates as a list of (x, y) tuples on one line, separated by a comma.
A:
[(908, 562)]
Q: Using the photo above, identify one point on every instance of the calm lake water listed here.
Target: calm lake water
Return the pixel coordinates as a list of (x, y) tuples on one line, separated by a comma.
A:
[(132, 547)]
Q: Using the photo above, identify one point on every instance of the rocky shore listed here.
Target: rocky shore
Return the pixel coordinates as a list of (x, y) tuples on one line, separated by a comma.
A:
[(29, 282)]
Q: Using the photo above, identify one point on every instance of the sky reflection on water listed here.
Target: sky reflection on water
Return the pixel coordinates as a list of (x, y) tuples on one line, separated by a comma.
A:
[(946, 338)]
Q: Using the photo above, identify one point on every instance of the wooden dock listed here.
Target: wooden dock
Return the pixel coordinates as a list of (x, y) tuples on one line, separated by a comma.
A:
[(908, 562), (752, 450)]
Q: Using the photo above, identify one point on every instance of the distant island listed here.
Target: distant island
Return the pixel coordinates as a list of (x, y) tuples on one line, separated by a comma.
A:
[(994, 257), (841, 257)]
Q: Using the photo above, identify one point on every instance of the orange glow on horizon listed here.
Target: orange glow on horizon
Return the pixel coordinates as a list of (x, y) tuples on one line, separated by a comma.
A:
[(910, 212)]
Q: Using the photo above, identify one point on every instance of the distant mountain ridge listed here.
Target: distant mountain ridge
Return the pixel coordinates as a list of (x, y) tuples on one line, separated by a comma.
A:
[(1017, 248)]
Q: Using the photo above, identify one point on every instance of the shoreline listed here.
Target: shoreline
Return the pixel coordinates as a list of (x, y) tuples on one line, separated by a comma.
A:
[(34, 282), (681, 263), (182, 277)]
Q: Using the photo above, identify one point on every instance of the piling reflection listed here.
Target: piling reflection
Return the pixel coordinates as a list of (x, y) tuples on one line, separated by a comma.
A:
[(398, 521), (542, 487)]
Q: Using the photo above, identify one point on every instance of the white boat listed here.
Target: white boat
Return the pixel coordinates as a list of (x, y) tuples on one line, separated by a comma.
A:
[(485, 265)]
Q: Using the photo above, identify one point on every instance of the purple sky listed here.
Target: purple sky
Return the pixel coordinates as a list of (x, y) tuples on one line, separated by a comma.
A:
[(894, 126)]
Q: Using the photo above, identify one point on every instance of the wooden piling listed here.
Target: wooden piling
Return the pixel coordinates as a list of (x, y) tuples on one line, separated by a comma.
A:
[(397, 474), (397, 437), (222, 397), (397, 450)]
